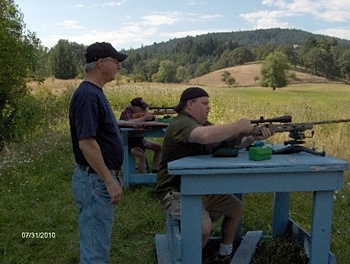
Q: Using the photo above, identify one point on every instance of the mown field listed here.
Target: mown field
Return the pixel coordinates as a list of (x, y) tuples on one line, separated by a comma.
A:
[(35, 175)]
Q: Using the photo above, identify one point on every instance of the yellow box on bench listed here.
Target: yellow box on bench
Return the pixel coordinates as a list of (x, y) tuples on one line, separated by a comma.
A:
[(260, 153)]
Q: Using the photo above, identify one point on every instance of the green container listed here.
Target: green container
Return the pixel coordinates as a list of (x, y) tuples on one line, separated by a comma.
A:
[(164, 119), (260, 153)]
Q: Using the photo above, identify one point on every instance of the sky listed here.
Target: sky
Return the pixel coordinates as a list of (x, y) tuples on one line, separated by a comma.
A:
[(131, 24)]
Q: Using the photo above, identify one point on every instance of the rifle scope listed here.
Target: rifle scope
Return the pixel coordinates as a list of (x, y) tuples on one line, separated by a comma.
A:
[(280, 119)]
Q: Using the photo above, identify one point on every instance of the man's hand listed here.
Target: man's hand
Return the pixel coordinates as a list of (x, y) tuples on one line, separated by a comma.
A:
[(265, 133), (244, 125), (115, 191)]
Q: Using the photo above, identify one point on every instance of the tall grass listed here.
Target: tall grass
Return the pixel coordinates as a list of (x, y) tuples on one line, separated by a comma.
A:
[(35, 175)]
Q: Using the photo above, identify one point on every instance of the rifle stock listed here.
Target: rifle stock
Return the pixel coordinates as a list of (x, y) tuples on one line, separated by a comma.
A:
[(164, 112)]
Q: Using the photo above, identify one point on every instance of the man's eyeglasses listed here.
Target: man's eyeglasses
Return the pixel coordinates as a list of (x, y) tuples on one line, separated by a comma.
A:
[(115, 61)]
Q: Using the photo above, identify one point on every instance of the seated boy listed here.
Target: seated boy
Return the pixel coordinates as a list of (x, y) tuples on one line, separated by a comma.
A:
[(137, 111)]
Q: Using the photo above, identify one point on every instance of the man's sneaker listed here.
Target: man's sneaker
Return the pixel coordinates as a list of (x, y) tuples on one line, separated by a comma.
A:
[(220, 259)]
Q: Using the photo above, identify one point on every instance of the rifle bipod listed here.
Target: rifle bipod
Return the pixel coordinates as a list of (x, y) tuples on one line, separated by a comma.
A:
[(295, 147)]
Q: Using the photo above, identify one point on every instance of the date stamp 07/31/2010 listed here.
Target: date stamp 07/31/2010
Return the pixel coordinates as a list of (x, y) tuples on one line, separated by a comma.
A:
[(38, 235)]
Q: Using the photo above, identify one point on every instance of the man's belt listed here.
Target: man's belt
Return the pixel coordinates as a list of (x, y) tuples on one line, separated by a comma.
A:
[(90, 170)]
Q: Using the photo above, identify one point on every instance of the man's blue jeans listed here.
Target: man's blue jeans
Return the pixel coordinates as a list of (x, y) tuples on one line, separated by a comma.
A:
[(95, 216)]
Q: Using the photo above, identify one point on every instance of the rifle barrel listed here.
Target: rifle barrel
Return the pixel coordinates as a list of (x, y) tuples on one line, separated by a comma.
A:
[(331, 121), (295, 126)]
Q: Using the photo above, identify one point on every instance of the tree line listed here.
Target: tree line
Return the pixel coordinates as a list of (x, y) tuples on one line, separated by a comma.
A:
[(188, 58)]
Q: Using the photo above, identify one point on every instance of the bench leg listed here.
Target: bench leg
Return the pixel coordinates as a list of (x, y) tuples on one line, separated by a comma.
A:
[(280, 214)]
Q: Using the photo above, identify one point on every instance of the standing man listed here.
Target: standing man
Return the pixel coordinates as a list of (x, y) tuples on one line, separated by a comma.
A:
[(98, 152), (189, 134)]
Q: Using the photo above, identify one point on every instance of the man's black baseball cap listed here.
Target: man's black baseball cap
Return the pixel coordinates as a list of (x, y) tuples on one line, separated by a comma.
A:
[(188, 94), (101, 50)]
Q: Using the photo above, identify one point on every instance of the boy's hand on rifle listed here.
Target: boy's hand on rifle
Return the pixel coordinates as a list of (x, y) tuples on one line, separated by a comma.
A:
[(149, 117)]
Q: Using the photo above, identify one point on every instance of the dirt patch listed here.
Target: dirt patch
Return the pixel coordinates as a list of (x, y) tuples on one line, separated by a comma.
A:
[(248, 75)]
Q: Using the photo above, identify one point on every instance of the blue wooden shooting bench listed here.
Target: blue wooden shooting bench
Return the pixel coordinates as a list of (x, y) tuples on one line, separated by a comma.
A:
[(130, 174), (280, 175)]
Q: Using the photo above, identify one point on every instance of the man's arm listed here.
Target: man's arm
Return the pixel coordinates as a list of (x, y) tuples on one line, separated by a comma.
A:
[(218, 133), (93, 156), (248, 140)]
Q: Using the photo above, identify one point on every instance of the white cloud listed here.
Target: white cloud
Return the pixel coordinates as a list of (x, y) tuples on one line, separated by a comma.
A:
[(334, 16), (114, 3), (342, 33), (70, 24), (265, 19), (329, 11), (278, 10), (182, 34), (160, 26), (211, 17), (120, 38), (267, 2), (161, 19), (194, 3)]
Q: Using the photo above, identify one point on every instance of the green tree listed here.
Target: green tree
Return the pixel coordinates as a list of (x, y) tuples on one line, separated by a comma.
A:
[(166, 72), (309, 44), (78, 51), (227, 78), (262, 51), (41, 67), (203, 68), (320, 62), (224, 75), (289, 51), (320, 56), (274, 70), (182, 74), (16, 58), (230, 80), (63, 60), (226, 60), (146, 69), (344, 64), (242, 55)]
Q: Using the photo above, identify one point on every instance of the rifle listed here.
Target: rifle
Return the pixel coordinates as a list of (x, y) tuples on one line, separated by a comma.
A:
[(296, 132), (163, 110), (227, 148)]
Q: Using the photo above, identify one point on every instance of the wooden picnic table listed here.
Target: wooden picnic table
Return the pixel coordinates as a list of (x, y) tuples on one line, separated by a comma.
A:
[(281, 175), (145, 129)]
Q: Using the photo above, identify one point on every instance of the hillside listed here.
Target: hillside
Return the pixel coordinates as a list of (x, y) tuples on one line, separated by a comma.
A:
[(210, 52), (245, 74), (247, 38)]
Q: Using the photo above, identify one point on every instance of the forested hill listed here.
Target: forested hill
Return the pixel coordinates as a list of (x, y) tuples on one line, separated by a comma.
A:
[(250, 39), (181, 59)]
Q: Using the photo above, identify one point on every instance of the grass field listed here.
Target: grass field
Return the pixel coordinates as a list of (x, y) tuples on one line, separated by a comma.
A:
[(35, 176)]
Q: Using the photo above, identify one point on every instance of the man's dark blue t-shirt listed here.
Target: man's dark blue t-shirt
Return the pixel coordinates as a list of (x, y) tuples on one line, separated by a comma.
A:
[(90, 115)]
